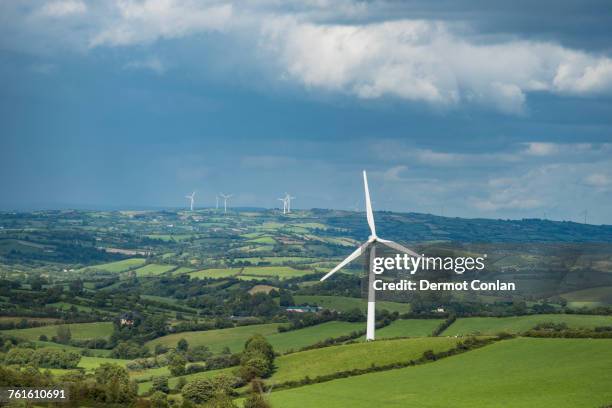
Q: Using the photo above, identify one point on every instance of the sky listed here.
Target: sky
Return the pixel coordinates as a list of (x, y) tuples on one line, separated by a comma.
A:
[(495, 110)]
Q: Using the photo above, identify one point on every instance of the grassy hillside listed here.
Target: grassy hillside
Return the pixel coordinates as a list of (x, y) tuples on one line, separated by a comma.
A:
[(282, 272), (328, 360), (215, 273), (92, 352), (589, 297), (80, 331), (517, 324), (296, 339), (154, 269), (343, 304), (518, 373), (216, 340), (120, 266), (409, 328), (91, 363)]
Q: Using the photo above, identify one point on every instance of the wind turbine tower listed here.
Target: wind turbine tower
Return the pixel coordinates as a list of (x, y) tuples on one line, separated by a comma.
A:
[(225, 197), (284, 200), (288, 199), (191, 200), (370, 244)]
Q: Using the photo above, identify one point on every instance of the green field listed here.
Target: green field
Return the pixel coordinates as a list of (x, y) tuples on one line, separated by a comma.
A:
[(589, 297), (91, 363), (518, 373), (343, 304), (234, 338), (67, 306), (280, 271), (119, 266), (93, 352), (80, 331), (216, 340), (518, 324), (296, 339), (154, 269), (168, 237), (215, 273), (278, 260), (328, 360), (182, 270), (409, 328), (264, 240)]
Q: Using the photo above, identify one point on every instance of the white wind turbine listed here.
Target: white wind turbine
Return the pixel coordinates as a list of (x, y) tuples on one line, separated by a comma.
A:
[(371, 244), (284, 200), (288, 199), (225, 197), (191, 200), (217, 197)]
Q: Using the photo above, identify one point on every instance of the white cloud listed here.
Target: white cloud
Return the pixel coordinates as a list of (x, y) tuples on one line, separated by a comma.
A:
[(63, 8), (138, 22), (426, 61), (423, 61)]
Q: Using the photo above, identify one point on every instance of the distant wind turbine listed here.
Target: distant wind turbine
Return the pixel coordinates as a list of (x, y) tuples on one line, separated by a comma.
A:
[(191, 200), (288, 199), (371, 244), (217, 197), (585, 213), (225, 197), (284, 200)]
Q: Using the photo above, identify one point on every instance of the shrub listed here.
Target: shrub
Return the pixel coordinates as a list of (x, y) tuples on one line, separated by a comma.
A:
[(161, 384), (176, 364), (202, 390), (159, 400)]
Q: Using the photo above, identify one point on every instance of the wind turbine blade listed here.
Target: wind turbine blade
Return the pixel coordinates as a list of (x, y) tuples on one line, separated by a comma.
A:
[(398, 247), (348, 259), (369, 213)]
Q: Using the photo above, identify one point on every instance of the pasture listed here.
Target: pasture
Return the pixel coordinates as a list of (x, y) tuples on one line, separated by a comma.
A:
[(409, 328), (518, 324), (79, 331), (296, 339), (518, 373), (344, 304), (92, 352), (328, 360), (280, 271), (119, 266), (91, 363), (215, 273), (154, 269), (216, 340)]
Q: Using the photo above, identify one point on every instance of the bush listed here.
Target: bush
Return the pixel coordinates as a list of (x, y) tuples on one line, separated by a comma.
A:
[(257, 359), (129, 350), (115, 379), (182, 345), (161, 384), (197, 353), (159, 400), (177, 364), (256, 400), (202, 390)]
